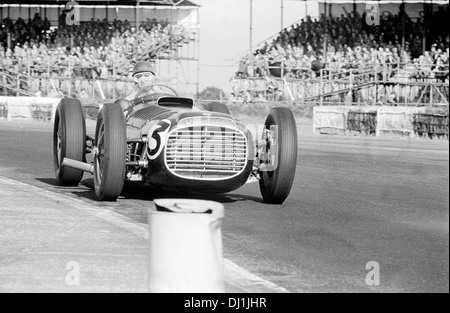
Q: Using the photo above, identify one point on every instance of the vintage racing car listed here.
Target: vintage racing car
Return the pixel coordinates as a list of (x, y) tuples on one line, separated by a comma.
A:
[(164, 140)]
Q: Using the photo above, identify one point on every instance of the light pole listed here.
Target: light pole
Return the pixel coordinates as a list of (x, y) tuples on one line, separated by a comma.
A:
[(138, 4), (251, 26)]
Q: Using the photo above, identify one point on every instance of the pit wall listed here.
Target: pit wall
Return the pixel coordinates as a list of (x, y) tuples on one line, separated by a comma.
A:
[(376, 121), (28, 108)]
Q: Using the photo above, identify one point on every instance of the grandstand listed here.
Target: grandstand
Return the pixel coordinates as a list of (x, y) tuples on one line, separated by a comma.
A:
[(43, 55), (336, 58), (339, 58)]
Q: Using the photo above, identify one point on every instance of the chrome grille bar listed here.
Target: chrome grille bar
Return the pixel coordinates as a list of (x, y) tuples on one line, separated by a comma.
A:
[(206, 152)]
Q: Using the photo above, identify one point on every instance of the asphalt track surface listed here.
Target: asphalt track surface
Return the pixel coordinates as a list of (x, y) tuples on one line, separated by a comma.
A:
[(355, 200)]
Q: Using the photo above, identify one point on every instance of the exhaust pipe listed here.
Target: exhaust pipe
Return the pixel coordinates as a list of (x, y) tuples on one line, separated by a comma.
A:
[(78, 165)]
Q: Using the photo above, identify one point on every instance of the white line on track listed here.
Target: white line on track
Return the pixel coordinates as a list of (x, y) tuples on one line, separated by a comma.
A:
[(235, 275)]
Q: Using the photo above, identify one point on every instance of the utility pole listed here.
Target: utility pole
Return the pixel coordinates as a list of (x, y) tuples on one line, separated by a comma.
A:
[(138, 4), (403, 17), (251, 26), (306, 8), (325, 34)]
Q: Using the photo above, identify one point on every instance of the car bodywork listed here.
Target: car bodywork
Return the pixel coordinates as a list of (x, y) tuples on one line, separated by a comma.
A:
[(174, 144), (164, 140)]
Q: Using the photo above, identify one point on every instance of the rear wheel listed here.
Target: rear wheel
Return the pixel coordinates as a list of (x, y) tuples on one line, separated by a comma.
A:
[(110, 158), (276, 184), (69, 141)]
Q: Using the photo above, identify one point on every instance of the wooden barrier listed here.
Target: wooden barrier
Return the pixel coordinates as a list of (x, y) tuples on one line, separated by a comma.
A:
[(431, 125), (28, 108), (380, 121)]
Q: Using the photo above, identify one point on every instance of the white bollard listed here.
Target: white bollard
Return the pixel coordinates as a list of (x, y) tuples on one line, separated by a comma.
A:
[(185, 239)]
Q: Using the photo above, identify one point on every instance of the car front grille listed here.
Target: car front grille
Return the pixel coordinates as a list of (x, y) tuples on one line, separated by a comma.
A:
[(206, 152)]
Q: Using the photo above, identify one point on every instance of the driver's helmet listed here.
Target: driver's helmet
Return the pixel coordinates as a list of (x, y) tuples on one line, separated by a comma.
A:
[(143, 74), (143, 66)]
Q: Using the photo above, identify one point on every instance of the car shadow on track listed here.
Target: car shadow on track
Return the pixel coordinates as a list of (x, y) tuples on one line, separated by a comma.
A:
[(49, 181), (146, 193), (76, 190), (143, 192)]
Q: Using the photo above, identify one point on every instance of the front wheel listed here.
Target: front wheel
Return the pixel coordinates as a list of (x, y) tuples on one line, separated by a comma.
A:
[(69, 141), (110, 156), (282, 143)]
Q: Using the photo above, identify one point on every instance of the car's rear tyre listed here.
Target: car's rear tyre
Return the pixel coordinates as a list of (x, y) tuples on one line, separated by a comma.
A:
[(216, 107), (276, 185), (69, 141), (110, 158)]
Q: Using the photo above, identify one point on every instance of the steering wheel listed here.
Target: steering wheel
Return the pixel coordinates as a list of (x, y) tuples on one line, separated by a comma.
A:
[(156, 89)]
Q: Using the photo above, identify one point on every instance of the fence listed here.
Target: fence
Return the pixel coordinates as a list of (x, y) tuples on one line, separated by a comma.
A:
[(97, 89), (370, 84), (367, 85), (381, 121), (28, 108), (431, 125), (14, 84), (362, 122)]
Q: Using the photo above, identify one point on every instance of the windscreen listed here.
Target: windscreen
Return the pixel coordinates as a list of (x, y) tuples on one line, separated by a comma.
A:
[(159, 90)]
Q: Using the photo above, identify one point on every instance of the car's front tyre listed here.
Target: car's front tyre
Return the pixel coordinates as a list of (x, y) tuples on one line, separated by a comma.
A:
[(69, 141), (275, 185), (110, 155)]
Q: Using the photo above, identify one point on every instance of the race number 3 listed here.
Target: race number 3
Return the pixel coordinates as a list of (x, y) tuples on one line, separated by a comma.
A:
[(373, 14), (73, 17)]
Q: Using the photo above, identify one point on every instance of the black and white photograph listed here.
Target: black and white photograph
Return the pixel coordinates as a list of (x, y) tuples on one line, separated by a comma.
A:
[(230, 153)]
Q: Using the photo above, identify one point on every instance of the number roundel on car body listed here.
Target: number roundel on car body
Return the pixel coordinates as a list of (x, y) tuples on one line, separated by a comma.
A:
[(158, 133)]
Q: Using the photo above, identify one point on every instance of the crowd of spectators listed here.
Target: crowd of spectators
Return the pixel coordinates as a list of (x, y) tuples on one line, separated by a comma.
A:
[(346, 42), (89, 50), (21, 31), (340, 44)]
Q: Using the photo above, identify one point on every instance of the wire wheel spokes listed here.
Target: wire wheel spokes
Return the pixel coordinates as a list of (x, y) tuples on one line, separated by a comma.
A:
[(59, 143), (99, 158), (110, 153), (268, 175)]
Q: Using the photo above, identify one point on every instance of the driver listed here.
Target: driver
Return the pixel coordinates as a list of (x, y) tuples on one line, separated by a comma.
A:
[(143, 76)]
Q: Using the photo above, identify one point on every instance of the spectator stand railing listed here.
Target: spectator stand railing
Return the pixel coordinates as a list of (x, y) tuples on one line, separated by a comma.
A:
[(284, 88), (89, 84), (14, 84), (69, 81), (339, 83), (376, 86), (277, 87), (364, 84), (92, 90), (169, 46)]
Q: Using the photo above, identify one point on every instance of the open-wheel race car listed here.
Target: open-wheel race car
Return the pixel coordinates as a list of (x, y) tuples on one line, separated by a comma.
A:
[(166, 141)]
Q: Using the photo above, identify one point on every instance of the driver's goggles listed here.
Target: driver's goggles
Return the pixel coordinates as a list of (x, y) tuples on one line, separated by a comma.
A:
[(143, 76)]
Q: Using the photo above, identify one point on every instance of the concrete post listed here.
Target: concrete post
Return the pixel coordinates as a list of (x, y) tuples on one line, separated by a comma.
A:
[(185, 246)]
